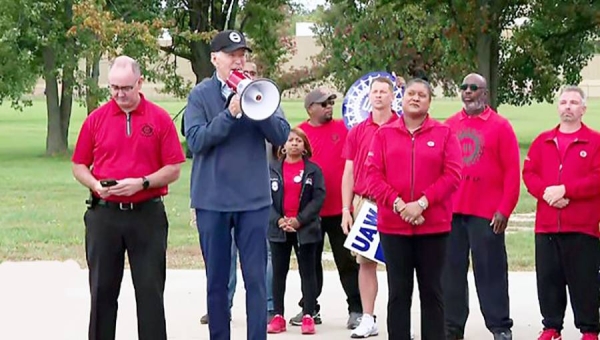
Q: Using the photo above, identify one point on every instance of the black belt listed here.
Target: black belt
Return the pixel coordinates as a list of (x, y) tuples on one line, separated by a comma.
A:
[(126, 206)]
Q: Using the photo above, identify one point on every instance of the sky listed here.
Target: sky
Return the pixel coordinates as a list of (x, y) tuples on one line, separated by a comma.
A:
[(311, 4)]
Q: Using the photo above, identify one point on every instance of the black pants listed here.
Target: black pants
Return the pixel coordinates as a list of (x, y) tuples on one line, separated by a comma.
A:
[(344, 261), (143, 233), (403, 256), (474, 236), (280, 258), (570, 260)]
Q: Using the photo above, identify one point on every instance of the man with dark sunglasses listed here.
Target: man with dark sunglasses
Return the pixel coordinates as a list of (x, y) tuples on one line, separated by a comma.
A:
[(327, 137), (487, 195)]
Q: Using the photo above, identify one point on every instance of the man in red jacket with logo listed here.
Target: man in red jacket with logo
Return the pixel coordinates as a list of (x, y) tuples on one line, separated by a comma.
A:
[(562, 171), (486, 197)]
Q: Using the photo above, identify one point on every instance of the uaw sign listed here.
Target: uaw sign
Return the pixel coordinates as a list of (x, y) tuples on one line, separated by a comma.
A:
[(363, 238), (356, 105)]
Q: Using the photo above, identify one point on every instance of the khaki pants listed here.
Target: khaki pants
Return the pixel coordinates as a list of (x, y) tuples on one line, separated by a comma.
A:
[(357, 204)]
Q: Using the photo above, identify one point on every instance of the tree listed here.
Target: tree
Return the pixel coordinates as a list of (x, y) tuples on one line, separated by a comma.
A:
[(523, 63), (48, 39), (192, 24), (108, 29)]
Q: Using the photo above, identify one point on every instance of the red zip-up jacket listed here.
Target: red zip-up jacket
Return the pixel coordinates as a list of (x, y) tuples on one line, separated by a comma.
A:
[(578, 171), (405, 165)]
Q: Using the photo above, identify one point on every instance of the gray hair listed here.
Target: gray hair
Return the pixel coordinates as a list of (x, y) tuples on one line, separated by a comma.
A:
[(573, 88), (126, 61)]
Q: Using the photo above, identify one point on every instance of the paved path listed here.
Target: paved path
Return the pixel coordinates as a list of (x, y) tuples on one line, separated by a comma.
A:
[(50, 301)]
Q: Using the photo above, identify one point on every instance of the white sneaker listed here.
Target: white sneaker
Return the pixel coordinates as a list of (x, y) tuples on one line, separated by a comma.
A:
[(366, 328)]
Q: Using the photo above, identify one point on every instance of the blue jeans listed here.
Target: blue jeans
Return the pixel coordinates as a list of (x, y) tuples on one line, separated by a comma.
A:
[(233, 276)]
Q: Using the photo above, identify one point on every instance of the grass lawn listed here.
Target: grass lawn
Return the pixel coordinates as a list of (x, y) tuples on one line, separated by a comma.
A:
[(42, 205)]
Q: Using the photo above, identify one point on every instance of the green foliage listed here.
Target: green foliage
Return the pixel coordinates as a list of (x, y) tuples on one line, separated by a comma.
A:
[(358, 38), (523, 64)]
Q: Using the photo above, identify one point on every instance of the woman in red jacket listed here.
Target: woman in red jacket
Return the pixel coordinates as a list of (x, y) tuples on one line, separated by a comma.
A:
[(414, 167)]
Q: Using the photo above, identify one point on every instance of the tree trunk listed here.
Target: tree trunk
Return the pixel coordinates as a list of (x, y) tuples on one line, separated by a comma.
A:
[(488, 49), (66, 100), (92, 71), (55, 140), (201, 64)]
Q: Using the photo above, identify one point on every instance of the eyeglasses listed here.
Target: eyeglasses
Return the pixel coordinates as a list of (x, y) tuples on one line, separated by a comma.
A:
[(124, 89), (472, 87), (327, 102)]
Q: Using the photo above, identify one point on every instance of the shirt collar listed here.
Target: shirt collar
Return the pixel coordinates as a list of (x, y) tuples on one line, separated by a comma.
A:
[(392, 119), (225, 90), (140, 109), (485, 115)]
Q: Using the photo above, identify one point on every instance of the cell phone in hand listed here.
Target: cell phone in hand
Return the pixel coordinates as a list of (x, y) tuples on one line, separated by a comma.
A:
[(108, 182)]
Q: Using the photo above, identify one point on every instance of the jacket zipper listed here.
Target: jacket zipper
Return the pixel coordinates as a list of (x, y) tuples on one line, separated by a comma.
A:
[(412, 168), (560, 167), (128, 124)]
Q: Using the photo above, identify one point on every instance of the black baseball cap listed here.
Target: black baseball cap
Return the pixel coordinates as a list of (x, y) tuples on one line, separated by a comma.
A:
[(229, 41)]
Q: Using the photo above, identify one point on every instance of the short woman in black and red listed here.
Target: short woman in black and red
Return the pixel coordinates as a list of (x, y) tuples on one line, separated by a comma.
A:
[(298, 192)]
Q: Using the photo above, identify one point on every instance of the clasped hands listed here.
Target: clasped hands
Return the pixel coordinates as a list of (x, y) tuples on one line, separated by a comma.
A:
[(410, 212), (288, 224), (554, 196)]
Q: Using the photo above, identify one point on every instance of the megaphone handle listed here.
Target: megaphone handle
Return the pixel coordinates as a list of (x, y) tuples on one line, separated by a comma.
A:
[(228, 100)]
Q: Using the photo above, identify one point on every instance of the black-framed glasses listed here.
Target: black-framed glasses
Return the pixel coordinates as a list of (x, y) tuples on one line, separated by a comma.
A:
[(327, 102), (472, 87)]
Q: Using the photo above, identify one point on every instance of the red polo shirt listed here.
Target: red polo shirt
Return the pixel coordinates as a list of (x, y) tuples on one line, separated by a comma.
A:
[(327, 142), (118, 145), (357, 147)]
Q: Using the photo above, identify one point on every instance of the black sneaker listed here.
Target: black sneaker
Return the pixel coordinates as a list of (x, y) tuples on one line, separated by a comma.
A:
[(297, 320)]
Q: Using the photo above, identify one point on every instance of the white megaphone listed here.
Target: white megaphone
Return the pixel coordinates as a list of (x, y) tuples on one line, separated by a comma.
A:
[(259, 99)]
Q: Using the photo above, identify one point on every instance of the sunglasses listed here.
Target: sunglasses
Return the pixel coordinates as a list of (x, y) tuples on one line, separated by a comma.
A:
[(472, 87), (328, 102)]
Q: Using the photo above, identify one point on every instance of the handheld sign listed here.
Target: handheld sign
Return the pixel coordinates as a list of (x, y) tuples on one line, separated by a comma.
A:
[(363, 238), (356, 105)]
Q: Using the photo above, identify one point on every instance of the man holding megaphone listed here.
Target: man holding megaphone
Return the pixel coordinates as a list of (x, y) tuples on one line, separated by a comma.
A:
[(227, 119)]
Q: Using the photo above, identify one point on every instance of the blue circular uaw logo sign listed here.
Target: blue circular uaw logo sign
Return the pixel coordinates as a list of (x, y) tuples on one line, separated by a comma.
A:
[(356, 105)]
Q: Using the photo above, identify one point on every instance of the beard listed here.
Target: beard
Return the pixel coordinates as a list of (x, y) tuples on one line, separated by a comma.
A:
[(476, 106)]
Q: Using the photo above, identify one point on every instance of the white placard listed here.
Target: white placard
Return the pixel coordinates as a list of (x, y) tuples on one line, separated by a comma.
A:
[(363, 238)]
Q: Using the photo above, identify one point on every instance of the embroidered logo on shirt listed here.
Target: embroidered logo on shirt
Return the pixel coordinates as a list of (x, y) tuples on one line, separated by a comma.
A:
[(472, 144), (147, 130), (335, 137), (431, 144)]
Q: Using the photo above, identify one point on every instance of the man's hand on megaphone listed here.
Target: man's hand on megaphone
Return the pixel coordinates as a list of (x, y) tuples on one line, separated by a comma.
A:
[(234, 106)]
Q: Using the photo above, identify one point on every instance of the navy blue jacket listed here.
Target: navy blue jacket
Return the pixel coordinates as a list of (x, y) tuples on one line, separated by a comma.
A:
[(230, 171), (312, 196)]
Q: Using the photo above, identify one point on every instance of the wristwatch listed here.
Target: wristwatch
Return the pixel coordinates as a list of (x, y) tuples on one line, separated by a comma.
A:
[(395, 204), (145, 183), (422, 204)]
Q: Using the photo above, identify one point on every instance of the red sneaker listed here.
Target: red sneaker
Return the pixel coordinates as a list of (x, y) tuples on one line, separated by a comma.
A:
[(589, 336), (550, 334), (277, 325), (308, 325)]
